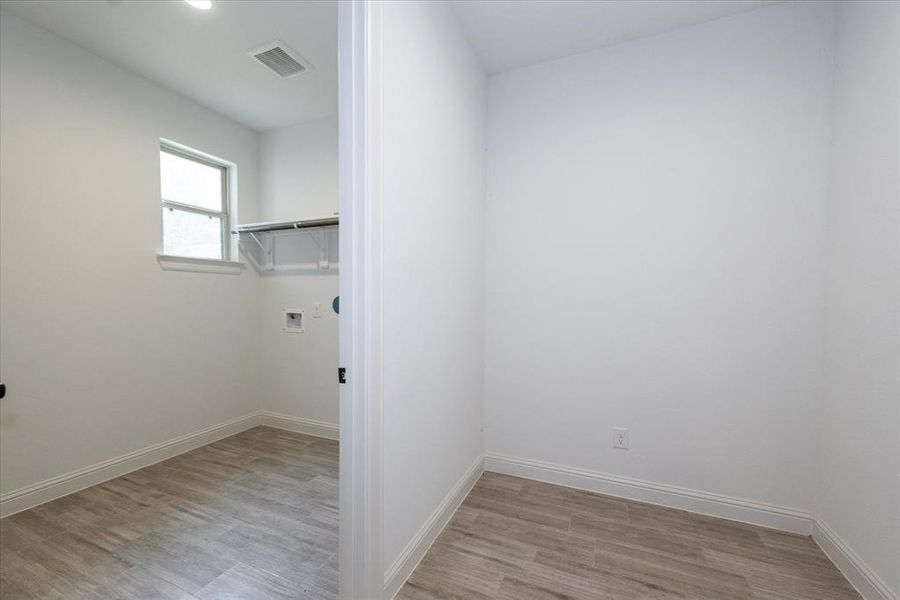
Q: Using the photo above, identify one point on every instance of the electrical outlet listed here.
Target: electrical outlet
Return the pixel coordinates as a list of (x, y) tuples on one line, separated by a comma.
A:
[(620, 438), (317, 310)]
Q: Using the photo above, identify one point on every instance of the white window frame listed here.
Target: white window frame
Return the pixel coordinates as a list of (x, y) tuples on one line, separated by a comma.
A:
[(223, 214)]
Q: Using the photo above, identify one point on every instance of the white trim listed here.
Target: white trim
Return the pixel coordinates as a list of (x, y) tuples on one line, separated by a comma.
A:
[(858, 573), (179, 147), (716, 505), (199, 265), (359, 191), (69, 483), (418, 546), (312, 427)]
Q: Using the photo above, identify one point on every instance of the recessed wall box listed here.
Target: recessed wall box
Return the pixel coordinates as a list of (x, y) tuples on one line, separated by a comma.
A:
[(294, 321)]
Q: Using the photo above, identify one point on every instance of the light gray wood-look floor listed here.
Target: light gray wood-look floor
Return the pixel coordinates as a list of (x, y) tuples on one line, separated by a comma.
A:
[(252, 516), (516, 539)]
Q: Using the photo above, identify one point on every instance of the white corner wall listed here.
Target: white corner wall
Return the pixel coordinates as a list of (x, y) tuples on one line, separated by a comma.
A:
[(434, 111), (103, 352), (298, 371), (655, 257), (858, 497), (298, 170)]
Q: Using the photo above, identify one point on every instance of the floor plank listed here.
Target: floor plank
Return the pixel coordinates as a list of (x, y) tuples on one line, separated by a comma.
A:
[(517, 539), (250, 516)]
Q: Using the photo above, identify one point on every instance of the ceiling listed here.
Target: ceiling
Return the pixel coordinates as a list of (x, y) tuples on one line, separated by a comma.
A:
[(203, 54), (508, 34)]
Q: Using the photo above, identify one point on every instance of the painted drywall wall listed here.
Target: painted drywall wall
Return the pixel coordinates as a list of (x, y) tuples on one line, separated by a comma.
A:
[(655, 256), (859, 477), (298, 179), (102, 351), (298, 171), (298, 371), (434, 113)]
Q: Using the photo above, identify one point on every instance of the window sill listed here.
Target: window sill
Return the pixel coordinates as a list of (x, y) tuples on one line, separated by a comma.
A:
[(199, 265)]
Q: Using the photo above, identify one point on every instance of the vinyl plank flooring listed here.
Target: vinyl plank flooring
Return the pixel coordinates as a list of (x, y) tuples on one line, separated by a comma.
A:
[(517, 539), (660, 572), (626, 534), (21, 578), (177, 558), (137, 583), (485, 544), (288, 557), (573, 547), (73, 565), (552, 572), (251, 516), (450, 573), (324, 582), (242, 582), (19, 531)]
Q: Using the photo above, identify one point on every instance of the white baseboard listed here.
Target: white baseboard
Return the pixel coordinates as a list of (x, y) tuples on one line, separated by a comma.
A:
[(300, 425), (69, 483), (864, 579), (416, 549), (715, 505)]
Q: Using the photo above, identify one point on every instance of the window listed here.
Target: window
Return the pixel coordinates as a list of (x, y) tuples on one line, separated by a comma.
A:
[(194, 204)]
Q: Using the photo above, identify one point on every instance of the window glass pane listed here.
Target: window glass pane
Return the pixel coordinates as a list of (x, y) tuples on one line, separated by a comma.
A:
[(191, 234), (189, 182)]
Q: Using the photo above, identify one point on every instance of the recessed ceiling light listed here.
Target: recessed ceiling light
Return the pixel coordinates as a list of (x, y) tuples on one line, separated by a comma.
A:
[(201, 4)]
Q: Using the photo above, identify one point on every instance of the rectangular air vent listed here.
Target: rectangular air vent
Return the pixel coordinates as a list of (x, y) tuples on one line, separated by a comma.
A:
[(281, 59)]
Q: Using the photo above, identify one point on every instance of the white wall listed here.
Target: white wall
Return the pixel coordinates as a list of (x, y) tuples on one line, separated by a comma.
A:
[(103, 352), (859, 478), (298, 179), (433, 279), (298, 171), (298, 371), (655, 255)]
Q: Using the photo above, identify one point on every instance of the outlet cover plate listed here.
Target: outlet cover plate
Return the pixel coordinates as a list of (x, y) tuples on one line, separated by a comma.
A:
[(620, 438)]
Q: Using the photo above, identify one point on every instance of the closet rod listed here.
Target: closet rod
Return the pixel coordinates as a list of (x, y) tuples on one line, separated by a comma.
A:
[(285, 225)]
